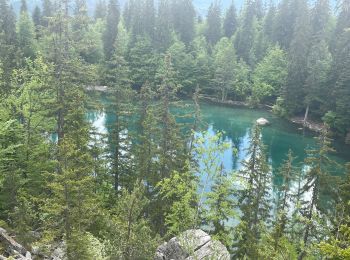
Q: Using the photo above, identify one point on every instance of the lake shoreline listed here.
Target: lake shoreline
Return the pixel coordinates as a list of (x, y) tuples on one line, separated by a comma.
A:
[(310, 124)]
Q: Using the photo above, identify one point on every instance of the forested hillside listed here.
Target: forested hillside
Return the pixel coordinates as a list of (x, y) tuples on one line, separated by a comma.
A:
[(121, 194)]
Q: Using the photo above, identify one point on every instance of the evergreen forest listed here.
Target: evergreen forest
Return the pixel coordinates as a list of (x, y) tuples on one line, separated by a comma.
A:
[(157, 173)]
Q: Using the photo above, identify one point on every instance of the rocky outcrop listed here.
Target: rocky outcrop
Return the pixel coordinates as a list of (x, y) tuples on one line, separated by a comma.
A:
[(11, 248), (262, 122), (192, 245)]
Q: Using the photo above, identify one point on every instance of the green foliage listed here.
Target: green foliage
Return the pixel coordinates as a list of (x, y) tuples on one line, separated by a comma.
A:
[(224, 63), (213, 31), (180, 193), (230, 21), (270, 75), (128, 234), (111, 31), (253, 199), (61, 180), (26, 35), (220, 201)]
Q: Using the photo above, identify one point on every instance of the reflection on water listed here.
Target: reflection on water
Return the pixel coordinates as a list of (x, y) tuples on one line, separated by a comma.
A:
[(236, 124)]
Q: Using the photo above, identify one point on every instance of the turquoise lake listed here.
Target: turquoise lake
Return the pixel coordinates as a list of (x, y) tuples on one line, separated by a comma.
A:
[(236, 123)]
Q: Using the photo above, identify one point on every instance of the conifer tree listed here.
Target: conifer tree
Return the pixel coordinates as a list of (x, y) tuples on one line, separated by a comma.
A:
[(337, 117), (8, 43), (111, 31), (179, 192), (47, 12), (118, 79), (128, 233), (183, 20), (163, 26), (149, 19), (26, 35), (100, 10), (147, 148), (37, 17), (269, 22), (288, 174), (318, 65), (247, 33), (317, 178), (254, 199), (230, 21), (294, 91), (213, 31), (221, 203), (143, 61), (172, 146), (24, 8)]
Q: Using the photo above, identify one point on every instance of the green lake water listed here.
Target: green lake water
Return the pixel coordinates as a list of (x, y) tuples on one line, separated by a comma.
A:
[(236, 123)]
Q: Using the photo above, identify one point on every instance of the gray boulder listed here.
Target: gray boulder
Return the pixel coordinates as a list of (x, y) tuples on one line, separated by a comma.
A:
[(192, 245), (12, 248), (262, 122)]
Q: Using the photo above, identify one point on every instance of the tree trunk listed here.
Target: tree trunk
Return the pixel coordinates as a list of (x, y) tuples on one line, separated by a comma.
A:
[(306, 115)]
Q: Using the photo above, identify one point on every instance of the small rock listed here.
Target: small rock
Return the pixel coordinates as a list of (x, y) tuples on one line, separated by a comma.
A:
[(262, 121)]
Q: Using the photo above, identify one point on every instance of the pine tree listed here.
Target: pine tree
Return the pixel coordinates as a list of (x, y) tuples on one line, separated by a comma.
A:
[(172, 145), (284, 23), (111, 31), (163, 26), (128, 233), (147, 148), (288, 174), (253, 200), (37, 17), (24, 8), (118, 79), (179, 192), (143, 61), (183, 20), (8, 43), (149, 19), (230, 21), (318, 180), (247, 33), (269, 21), (100, 10), (294, 91), (220, 202), (337, 117), (319, 66), (213, 32), (26, 35), (47, 12)]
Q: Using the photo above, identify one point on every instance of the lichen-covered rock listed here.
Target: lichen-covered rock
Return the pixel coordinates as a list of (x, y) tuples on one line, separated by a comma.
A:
[(262, 122), (192, 245), (12, 248)]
